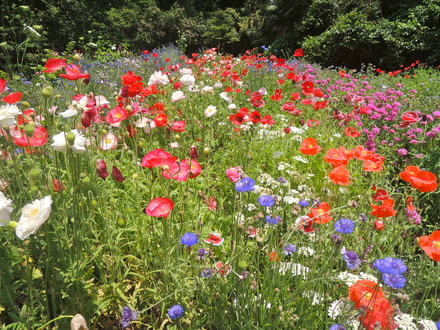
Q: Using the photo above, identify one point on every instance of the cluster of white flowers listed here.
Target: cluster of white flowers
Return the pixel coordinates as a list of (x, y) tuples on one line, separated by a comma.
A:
[(295, 268), (306, 251), (405, 322), (177, 96), (301, 159), (316, 297), (158, 78), (339, 308), (188, 80)]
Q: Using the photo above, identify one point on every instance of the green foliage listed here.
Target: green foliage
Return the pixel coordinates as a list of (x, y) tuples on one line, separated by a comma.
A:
[(222, 28)]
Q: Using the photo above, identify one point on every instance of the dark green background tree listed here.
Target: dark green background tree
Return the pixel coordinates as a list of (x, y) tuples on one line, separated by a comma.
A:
[(385, 33)]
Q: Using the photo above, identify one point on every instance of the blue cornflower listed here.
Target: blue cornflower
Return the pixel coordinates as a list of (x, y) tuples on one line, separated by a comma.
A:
[(266, 200), (438, 325), (207, 272), (303, 203), (395, 281), (175, 312), (245, 184), (272, 219), (337, 327), (189, 239), (282, 179), (390, 265), (351, 258), (344, 226), (128, 315), (289, 249), (202, 253)]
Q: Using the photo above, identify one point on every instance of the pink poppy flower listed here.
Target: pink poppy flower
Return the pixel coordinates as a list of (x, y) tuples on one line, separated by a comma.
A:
[(214, 239), (157, 158), (159, 207)]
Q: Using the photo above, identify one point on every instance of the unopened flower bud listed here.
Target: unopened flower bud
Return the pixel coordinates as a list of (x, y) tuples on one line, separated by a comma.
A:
[(29, 130), (25, 104), (12, 224), (78, 322), (194, 153), (34, 174), (70, 137), (77, 57), (47, 92), (86, 181), (206, 151), (129, 108)]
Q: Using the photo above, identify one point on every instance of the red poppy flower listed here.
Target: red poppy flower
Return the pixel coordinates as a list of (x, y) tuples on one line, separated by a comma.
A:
[(194, 167), (351, 131), (424, 181), (379, 225), (366, 294), (38, 139), (223, 269), (255, 117), (116, 115), (130, 78), (237, 119), (273, 256), (159, 207), (12, 98), (178, 126), (73, 72), (54, 64), (298, 53), (176, 171), (336, 157), (58, 185), (409, 172), (26, 117), (158, 157), (380, 195), (214, 239), (161, 120), (267, 120), (431, 245), (361, 153), (340, 175), (382, 313), (211, 202), (307, 87), (309, 147), (371, 166), (385, 210), (409, 205), (320, 214)]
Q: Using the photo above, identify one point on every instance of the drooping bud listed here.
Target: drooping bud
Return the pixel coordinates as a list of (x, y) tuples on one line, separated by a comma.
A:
[(194, 152), (101, 168), (117, 175)]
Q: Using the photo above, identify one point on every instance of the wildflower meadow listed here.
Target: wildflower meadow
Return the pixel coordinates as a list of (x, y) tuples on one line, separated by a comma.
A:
[(165, 191)]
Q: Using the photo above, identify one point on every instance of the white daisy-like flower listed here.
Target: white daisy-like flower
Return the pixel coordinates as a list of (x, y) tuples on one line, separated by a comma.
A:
[(338, 308), (428, 324), (316, 297), (348, 278), (300, 159), (405, 322), (306, 251)]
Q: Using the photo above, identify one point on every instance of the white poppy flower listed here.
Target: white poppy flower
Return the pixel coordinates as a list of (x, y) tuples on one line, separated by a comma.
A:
[(60, 142), (5, 210), (8, 114), (33, 216)]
